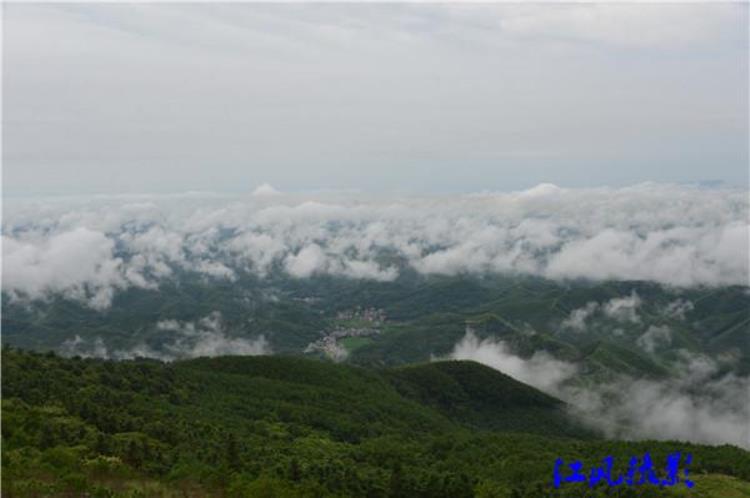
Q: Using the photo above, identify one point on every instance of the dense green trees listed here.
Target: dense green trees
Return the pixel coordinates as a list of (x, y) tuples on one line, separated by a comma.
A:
[(289, 427)]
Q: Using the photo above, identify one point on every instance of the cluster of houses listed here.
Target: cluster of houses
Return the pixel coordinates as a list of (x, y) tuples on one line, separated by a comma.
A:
[(372, 315), (329, 343)]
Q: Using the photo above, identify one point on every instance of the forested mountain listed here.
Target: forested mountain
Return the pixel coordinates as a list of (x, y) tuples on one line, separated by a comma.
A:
[(285, 426)]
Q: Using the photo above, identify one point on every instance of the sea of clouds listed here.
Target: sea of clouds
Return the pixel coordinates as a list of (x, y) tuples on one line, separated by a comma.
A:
[(89, 248)]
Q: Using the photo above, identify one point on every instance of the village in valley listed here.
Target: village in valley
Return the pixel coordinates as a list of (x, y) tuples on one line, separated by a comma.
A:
[(356, 323)]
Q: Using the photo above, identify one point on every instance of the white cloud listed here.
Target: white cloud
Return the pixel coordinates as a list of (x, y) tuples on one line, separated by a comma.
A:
[(540, 370), (623, 309), (541, 190), (655, 337), (307, 261), (368, 270), (578, 317), (205, 337), (79, 262), (693, 405), (256, 251), (620, 309), (208, 337), (214, 269), (673, 235), (678, 309), (265, 190), (679, 256)]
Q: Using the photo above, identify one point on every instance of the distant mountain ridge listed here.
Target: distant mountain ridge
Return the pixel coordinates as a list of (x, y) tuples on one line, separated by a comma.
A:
[(426, 317)]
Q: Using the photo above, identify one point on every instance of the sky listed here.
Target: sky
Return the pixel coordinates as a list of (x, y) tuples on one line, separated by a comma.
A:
[(411, 98)]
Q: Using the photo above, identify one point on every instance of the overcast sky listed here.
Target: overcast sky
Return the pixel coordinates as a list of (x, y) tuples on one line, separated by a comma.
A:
[(410, 98)]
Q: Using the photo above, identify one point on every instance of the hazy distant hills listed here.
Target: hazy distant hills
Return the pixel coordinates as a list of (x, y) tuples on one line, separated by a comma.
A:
[(628, 327)]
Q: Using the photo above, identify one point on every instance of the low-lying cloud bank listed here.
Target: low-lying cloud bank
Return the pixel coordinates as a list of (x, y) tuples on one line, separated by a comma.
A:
[(619, 309), (90, 248), (541, 370), (205, 337), (694, 405), (610, 317)]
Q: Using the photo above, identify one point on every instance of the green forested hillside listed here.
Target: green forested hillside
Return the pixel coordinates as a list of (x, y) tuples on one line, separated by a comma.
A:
[(276, 426), (478, 396), (426, 317)]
